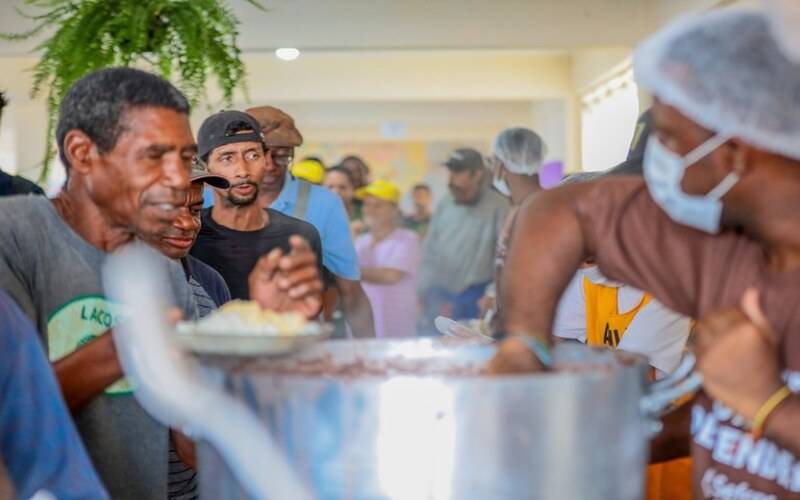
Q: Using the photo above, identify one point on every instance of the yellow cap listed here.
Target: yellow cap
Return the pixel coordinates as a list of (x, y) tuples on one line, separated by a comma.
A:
[(384, 190), (309, 170)]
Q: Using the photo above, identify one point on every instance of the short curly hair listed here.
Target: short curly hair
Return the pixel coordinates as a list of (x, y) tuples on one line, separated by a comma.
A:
[(96, 104)]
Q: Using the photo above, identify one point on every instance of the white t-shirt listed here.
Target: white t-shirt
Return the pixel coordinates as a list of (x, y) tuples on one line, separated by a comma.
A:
[(656, 332)]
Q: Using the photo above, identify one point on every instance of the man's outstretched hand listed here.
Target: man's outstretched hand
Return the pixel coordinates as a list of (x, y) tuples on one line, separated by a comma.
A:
[(513, 356), (282, 283)]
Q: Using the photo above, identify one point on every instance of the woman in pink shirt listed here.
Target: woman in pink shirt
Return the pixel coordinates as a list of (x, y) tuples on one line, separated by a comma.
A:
[(389, 259)]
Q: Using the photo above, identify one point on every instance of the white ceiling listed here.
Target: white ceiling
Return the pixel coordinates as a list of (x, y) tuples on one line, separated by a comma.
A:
[(333, 25), (425, 24)]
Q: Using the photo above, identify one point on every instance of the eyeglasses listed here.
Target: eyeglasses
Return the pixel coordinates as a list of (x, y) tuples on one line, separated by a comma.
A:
[(283, 160)]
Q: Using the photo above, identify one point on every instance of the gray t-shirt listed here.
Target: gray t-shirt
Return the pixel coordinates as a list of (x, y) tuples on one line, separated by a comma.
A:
[(458, 251), (54, 276)]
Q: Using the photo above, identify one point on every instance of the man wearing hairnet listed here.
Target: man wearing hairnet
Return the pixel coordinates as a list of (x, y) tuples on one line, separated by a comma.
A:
[(516, 158), (713, 233)]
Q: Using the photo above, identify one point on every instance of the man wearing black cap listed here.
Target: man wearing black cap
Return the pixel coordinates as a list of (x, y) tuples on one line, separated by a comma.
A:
[(210, 290), (458, 255), (236, 232)]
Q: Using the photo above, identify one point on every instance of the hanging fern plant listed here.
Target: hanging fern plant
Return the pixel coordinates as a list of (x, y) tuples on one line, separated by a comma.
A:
[(184, 40)]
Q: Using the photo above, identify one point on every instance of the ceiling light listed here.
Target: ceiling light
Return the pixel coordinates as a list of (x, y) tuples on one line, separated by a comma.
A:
[(287, 53)]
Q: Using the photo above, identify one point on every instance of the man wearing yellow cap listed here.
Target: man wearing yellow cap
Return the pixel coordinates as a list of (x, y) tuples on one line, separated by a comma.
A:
[(389, 258), (309, 170)]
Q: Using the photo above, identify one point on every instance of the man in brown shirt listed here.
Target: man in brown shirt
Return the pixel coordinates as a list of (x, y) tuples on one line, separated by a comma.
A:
[(714, 234)]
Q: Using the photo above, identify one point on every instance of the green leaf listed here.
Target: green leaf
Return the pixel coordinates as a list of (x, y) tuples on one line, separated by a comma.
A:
[(187, 41)]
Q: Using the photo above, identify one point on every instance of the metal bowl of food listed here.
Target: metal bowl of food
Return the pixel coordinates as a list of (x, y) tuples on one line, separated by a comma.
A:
[(372, 419)]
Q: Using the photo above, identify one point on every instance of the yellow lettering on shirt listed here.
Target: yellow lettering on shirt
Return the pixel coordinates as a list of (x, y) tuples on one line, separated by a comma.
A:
[(605, 326)]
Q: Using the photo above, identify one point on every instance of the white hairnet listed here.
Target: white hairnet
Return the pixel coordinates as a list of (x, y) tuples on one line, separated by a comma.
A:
[(520, 149), (785, 18), (724, 70)]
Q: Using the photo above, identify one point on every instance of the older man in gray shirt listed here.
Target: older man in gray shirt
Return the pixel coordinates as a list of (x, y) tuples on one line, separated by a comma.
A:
[(458, 254), (125, 140)]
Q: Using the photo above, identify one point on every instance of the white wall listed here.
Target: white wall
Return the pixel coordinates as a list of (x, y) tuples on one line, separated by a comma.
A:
[(550, 119), (344, 25), (449, 69), (441, 95), (24, 121), (341, 121), (593, 66), (410, 75)]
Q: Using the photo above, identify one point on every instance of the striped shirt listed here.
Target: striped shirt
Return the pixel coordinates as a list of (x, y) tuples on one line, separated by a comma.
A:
[(182, 478), (205, 304)]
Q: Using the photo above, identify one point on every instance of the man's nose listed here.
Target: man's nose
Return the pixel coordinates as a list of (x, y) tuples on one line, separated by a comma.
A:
[(240, 169), (186, 222), (177, 174)]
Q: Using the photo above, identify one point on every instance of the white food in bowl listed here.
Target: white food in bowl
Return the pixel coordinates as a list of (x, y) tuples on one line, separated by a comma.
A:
[(240, 317)]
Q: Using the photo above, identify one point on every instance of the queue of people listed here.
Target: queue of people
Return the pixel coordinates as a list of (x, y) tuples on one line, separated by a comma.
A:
[(692, 237)]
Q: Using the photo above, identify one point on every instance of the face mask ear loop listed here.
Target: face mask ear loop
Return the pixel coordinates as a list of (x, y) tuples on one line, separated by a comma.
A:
[(724, 186), (705, 149)]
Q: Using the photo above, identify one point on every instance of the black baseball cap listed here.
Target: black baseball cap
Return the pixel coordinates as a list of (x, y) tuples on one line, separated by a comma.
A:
[(464, 159), (227, 127), (634, 162), (200, 173)]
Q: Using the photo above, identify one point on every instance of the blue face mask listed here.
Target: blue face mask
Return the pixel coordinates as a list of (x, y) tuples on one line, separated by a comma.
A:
[(663, 172)]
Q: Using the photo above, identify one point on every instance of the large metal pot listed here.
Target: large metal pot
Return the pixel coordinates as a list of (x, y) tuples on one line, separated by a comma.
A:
[(556, 436)]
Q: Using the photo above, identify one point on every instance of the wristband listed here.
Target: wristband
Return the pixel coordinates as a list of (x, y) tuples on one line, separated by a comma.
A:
[(766, 410), (540, 349)]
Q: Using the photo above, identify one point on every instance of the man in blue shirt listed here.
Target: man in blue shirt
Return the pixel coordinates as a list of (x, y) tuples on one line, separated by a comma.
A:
[(39, 446), (318, 206)]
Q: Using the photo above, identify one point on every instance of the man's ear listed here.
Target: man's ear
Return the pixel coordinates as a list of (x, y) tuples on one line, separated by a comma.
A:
[(80, 151)]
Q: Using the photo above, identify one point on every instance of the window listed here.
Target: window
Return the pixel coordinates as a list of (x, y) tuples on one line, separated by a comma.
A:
[(608, 118)]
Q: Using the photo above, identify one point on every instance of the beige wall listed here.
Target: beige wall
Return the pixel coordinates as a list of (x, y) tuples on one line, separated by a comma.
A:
[(669, 9), (436, 95), (592, 66), (411, 75), (24, 121), (439, 95)]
